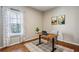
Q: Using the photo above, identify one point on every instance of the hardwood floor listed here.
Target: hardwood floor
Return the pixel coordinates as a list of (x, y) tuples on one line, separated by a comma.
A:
[(15, 48), (21, 48)]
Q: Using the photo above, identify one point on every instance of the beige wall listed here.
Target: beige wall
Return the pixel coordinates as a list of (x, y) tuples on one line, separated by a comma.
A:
[(32, 19), (70, 29)]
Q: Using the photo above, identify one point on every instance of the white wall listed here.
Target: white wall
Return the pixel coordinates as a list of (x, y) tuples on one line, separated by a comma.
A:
[(70, 29), (33, 19)]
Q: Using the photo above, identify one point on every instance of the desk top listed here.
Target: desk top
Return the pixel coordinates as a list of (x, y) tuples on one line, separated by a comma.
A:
[(51, 36), (48, 36)]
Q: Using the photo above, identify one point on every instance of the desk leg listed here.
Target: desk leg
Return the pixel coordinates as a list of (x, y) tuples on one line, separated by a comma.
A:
[(39, 40), (53, 47)]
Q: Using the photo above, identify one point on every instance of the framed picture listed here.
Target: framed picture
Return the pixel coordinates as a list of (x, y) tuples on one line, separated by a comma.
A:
[(54, 20), (61, 20), (58, 20)]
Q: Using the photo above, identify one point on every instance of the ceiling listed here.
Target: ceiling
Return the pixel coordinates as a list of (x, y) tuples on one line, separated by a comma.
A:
[(43, 8)]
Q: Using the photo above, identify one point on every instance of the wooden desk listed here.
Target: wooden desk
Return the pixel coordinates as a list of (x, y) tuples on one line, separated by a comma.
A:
[(49, 36), (53, 37)]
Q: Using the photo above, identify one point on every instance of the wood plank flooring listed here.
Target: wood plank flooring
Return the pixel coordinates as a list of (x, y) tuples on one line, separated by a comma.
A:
[(21, 48), (15, 48)]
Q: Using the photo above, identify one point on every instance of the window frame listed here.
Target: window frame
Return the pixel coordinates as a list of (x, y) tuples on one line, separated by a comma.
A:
[(20, 22)]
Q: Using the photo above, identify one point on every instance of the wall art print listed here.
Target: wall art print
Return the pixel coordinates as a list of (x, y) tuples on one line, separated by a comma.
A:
[(58, 20)]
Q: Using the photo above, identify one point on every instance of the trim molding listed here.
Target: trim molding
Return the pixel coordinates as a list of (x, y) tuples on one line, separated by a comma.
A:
[(69, 45)]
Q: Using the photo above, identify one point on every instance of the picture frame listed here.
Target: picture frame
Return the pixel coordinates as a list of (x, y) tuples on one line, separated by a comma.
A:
[(58, 20)]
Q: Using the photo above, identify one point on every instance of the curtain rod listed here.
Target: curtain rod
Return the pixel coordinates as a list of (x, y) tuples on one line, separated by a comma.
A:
[(14, 9)]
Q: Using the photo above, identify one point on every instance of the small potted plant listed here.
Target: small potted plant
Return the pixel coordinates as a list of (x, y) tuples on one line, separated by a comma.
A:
[(37, 30)]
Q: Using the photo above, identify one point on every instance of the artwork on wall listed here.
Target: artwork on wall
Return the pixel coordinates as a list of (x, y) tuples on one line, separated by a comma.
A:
[(58, 20), (54, 21)]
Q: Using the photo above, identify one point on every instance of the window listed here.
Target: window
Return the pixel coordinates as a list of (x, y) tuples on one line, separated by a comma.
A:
[(15, 22)]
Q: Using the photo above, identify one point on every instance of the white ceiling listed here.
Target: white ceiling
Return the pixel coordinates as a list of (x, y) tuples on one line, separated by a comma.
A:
[(43, 8)]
